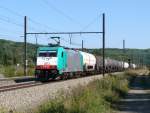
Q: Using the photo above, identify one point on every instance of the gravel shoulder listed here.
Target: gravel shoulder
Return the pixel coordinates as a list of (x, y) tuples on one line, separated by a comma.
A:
[(8, 82), (138, 98), (24, 100)]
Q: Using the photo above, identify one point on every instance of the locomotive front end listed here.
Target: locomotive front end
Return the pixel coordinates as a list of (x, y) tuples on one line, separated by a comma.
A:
[(46, 64)]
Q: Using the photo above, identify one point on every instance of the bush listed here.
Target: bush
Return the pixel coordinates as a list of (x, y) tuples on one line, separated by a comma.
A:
[(98, 96), (13, 71), (9, 71)]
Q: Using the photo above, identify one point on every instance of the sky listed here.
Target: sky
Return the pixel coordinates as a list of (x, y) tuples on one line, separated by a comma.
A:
[(127, 20)]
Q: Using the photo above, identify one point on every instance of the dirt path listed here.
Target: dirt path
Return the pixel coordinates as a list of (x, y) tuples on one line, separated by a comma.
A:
[(138, 98)]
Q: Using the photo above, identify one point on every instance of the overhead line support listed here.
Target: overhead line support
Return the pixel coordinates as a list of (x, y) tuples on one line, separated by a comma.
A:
[(103, 26), (64, 33), (25, 46), (41, 33)]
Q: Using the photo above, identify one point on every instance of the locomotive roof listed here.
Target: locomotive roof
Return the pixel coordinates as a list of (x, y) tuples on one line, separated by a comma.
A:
[(45, 48)]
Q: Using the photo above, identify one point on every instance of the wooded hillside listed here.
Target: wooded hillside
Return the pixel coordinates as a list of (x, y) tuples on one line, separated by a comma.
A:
[(12, 53)]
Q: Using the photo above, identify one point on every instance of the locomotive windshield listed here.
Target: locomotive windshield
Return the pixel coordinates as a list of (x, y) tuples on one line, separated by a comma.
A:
[(48, 54)]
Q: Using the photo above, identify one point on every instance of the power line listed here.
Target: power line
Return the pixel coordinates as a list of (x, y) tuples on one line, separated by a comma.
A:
[(6, 36), (89, 24), (9, 21), (10, 30), (22, 16), (50, 5), (72, 43), (35, 22), (11, 11)]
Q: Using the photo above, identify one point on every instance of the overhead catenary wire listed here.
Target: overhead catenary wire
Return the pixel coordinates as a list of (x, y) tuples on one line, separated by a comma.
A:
[(7, 36), (46, 26), (11, 22), (36, 22), (75, 44), (51, 6), (11, 11), (90, 23), (9, 30), (30, 19), (8, 20), (3, 35)]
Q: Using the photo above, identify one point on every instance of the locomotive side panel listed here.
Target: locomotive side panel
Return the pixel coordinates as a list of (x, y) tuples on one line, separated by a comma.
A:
[(74, 61)]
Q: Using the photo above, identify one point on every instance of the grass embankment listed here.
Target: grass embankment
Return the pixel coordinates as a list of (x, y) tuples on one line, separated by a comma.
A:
[(99, 96), (13, 71), (2, 110)]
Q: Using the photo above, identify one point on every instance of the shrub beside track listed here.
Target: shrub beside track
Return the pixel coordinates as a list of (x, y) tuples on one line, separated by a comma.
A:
[(99, 96)]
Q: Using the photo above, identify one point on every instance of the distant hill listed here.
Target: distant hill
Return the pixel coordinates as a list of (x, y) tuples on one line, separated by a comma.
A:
[(12, 53)]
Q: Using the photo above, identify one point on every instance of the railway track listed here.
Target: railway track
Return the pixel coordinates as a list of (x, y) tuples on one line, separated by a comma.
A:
[(19, 86), (31, 84), (22, 79), (28, 84)]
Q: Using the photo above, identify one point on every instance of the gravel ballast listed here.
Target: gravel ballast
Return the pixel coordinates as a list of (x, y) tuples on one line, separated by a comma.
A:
[(6, 82), (23, 100)]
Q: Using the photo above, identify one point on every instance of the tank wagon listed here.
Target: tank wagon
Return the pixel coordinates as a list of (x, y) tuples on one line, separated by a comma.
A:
[(62, 63), (133, 66), (99, 64), (126, 65), (89, 62)]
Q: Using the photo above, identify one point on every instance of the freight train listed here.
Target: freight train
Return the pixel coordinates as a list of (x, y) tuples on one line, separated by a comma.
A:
[(61, 63)]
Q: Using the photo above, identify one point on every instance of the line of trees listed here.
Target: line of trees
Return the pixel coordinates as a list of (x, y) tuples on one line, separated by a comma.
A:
[(12, 53)]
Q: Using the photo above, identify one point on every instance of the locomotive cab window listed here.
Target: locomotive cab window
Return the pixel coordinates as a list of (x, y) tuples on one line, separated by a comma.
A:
[(48, 54)]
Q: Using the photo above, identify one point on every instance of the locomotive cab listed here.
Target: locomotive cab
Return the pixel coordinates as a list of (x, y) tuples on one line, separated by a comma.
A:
[(46, 63)]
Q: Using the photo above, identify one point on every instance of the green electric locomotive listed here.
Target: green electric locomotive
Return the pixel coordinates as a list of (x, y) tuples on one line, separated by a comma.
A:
[(57, 63)]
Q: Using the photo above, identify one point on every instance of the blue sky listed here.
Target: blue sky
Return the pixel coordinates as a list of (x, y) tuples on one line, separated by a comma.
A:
[(125, 19)]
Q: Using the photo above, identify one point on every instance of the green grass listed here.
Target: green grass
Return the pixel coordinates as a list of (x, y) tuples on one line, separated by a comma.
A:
[(99, 96), (2, 110), (13, 71)]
